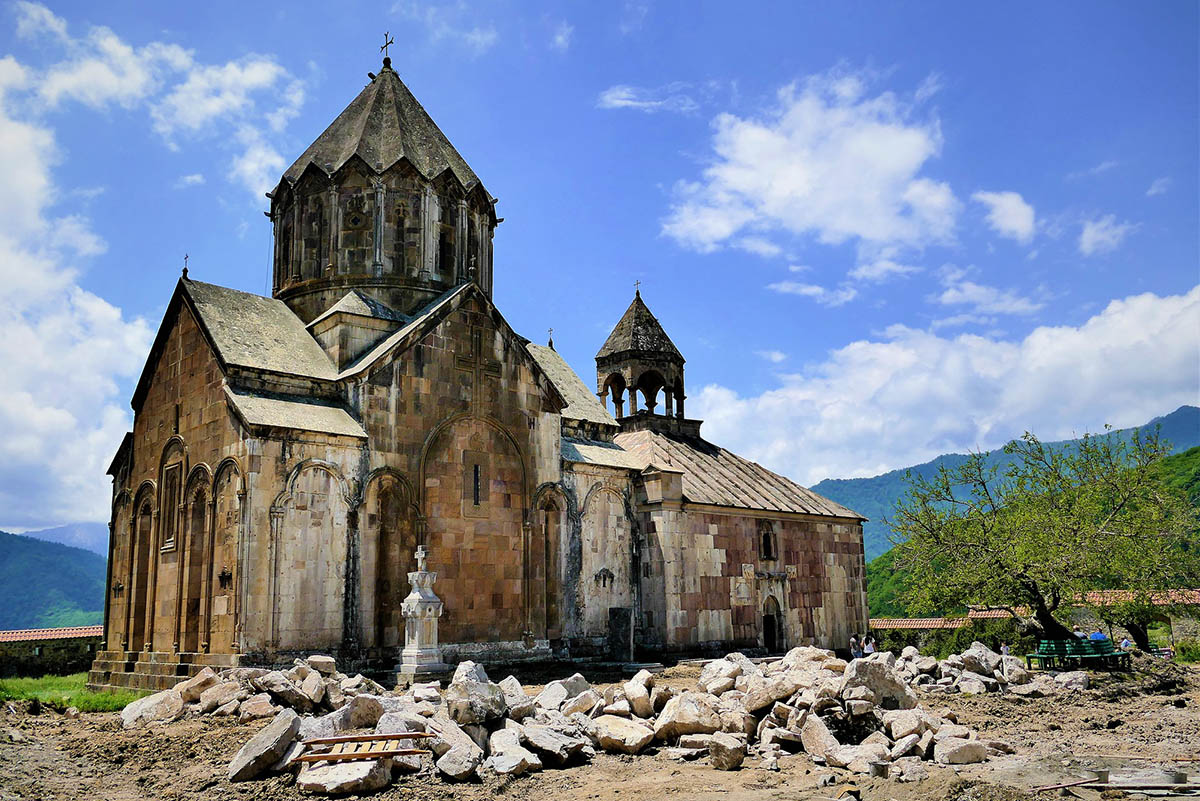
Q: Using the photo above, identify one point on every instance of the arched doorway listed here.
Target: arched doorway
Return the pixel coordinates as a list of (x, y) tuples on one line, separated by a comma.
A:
[(772, 626)]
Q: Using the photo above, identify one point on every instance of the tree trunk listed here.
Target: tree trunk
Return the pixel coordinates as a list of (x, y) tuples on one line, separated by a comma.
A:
[(1140, 633), (1051, 628)]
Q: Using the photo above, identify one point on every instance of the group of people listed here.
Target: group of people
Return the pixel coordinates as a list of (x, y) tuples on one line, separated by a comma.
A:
[(1125, 643), (861, 646)]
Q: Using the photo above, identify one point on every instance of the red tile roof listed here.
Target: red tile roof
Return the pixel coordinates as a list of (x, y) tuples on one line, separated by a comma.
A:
[(72, 633), (918, 622)]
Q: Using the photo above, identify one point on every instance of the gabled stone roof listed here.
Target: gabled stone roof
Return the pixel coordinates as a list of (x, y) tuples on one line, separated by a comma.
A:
[(383, 125), (360, 304), (249, 330), (638, 330), (713, 475), (581, 403), (257, 410)]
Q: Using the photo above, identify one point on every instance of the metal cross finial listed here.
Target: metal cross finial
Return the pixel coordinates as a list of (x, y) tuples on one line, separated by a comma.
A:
[(637, 287), (551, 342), (185, 258), (387, 42)]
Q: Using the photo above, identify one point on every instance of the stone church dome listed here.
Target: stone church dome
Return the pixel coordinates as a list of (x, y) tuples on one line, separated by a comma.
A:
[(380, 203)]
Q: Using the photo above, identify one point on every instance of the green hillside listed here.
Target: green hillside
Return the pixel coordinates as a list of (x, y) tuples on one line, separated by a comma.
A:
[(875, 497), (46, 585), (885, 584)]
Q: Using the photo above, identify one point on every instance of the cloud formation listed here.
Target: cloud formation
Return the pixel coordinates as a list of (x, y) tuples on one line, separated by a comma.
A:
[(1158, 187), (561, 39), (454, 22), (830, 161), (1103, 235), (672, 97), (840, 296), (1008, 214), (876, 405)]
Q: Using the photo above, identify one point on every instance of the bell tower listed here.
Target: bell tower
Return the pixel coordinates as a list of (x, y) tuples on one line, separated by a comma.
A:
[(381, 203), (638, 358)]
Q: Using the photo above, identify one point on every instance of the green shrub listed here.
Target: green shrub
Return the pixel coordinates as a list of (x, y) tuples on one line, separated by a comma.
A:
[(1187, 650), (943, 642), (60, 692)]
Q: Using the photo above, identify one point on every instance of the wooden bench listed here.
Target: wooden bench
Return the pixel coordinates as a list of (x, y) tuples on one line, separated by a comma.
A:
[(1077, 653)]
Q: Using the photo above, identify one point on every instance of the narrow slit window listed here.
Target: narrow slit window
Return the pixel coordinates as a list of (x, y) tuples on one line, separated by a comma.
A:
[(475, 484)]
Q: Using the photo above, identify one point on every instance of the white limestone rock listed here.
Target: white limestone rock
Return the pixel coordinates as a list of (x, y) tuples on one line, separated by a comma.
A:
[(555, 747), (903, 746), (227, 710), (266, 747), (1073, 680), (980, 659), (344, 778), (475, 702), (889, 686), (219, 695), (322, 663), (585, 702), (718, 670), (161, 707), (969, 686), (816, 737), (688, 713), (1012, 668), (726, 752), (900, 723), (470, 670), (283, 691), (958, 751), (190, 689), (520, 705), (509, 756), (621, 735), (556, 693), (257, 706), (856, 758), (314, 687), (637, 692), (431, 692)]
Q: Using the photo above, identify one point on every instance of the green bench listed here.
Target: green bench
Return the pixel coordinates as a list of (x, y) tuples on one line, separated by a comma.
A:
[(1077, 653)]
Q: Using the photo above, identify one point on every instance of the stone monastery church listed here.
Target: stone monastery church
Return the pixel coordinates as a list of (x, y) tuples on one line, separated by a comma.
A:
[(289, 454)]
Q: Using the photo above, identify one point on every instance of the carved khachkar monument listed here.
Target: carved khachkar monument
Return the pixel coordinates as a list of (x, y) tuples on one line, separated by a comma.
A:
[(421, 657), (289, 454)]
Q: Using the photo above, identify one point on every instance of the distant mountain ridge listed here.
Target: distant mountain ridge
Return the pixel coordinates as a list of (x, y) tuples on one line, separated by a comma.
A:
[(876, 497), (89, 536), (47, 585)]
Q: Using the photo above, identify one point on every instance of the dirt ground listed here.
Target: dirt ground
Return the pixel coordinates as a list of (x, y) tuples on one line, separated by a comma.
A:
[(1133, 726)]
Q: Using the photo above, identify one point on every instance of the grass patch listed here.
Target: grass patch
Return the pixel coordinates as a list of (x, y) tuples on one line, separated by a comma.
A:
[(60, 692)]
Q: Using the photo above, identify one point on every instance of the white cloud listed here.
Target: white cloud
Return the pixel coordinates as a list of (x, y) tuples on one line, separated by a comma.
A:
[(826, 297), (1159, 187), (62, 347), (259, 165), (194, 179), (773, 356), (452, 21), (633, 16), (1008, 214), (759, 246), (829, 161), (561, 39), (672, 97), (881, 270), (230, 101), (1103, 235), (877, 405), (1100, 168), (980, 298)]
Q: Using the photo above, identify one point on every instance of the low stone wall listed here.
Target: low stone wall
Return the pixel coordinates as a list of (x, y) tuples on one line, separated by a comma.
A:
[(50, 657)]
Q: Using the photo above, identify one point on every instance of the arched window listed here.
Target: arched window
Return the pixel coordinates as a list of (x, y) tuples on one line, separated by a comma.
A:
[(768, 549)]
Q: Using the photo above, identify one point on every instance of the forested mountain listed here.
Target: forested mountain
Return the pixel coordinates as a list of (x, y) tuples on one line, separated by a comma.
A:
[(876, 497), (45, 585)]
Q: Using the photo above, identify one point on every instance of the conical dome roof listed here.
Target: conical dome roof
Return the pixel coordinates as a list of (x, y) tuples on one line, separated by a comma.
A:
[(383, 125), (639, 331)]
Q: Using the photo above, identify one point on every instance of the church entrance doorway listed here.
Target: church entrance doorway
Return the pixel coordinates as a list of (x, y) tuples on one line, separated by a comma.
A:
[(772, 626)]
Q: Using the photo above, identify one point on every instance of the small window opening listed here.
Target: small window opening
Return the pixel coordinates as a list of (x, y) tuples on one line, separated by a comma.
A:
[(475, 486), (177, 418)]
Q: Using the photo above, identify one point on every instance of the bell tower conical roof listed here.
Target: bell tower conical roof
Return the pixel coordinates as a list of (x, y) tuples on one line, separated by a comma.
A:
[(383, 125), (638, 330)]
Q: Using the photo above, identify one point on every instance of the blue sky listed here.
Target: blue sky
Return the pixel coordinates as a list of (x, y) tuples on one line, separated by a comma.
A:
[(878, 232)]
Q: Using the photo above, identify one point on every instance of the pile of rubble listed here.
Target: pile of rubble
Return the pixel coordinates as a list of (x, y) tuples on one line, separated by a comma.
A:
[(311, 685), (862, 716), (979, 670)]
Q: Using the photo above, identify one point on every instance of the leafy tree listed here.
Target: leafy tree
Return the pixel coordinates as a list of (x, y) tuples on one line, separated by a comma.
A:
[(1056, 523)]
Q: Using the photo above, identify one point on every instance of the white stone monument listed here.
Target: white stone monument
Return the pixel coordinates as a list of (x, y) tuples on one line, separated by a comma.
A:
[(421, 658)]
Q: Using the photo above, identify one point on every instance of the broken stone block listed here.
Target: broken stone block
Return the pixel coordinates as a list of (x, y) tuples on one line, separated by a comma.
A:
[(971, 687), (958, 751), (660, 695), (980, 659), (726, 752), (558, 692), (688, 713), (322, 663), (621, 735), (431, 693), (219, 695), (585, 702), (313, 687), (1073, 680), (161, 707), (904, 745), (737, 721), (856, 758), (859, 708), (554, 746), (718, 671), (359, 684), (816, 737), (948, 730), (283, 690), (620, 708), (257, 706), (520, 705), (509, 756), (909, 652), (910, 769), (266, 747), (190, 689), (227, 710), (889, 686), (470, 670), (695, 740), (470, 701), (637, 693), (402, 723), (902, 722), (878, 738), (343, 778)]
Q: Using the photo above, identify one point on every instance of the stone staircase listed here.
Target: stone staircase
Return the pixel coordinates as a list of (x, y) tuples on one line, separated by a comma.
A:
[(151, 670)]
